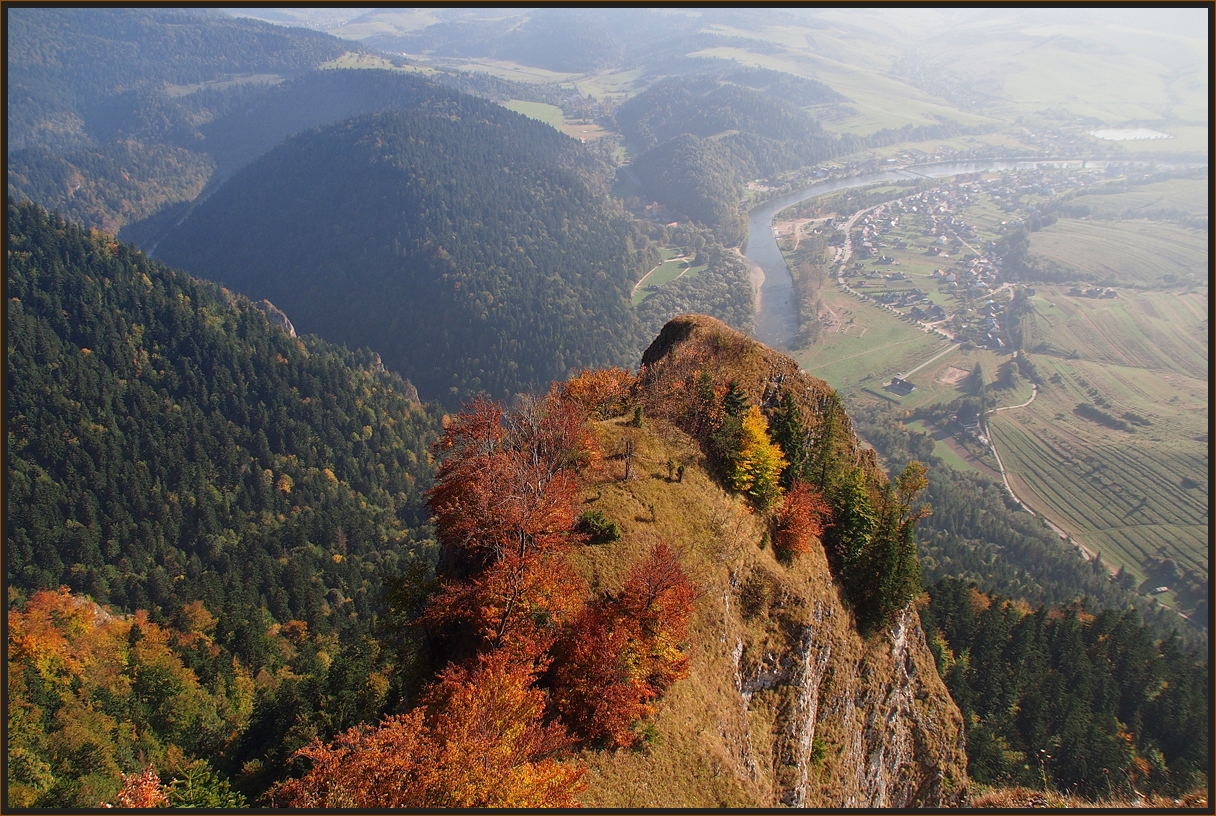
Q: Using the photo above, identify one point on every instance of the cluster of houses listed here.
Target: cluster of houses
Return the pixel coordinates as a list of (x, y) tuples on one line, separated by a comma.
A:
[(932, 314), (873, 226), (1095, 292), (985, 326), (973, 278), (978, 277), (907, 297)]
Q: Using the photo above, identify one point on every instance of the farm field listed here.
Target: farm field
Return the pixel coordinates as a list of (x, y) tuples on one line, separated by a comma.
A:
[(1132, 495), (218, 84), (352, 59), (552, 116), (1125, 252), (514, 71), (391, 22), (1186, 195), (581, 129), (872, 348), (615, 84), (1156, 330), (1188, 138)]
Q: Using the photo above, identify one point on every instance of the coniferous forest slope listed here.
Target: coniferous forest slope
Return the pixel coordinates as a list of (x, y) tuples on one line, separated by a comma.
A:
[(171, 451), (474, 248)]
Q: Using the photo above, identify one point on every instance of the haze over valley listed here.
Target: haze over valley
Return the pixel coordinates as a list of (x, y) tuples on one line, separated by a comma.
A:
[(705, 383)]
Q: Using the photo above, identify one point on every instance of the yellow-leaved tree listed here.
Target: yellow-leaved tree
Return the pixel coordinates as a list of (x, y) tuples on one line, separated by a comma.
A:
[(758, 463)]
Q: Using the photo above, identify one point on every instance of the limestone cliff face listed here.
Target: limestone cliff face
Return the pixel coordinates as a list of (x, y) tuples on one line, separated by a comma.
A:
[(276, 316), (786, 704), (852, 723)]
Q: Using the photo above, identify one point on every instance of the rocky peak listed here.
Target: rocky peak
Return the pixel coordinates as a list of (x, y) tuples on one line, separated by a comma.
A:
[(276, 316)]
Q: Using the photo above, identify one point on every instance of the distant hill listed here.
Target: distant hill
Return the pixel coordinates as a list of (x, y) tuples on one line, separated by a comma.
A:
[(474, 248), (108, 108), (702, 136), (705, 106), (66, 66)]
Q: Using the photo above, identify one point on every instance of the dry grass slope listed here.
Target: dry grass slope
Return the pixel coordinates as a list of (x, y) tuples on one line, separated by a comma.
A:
[(785, 702)]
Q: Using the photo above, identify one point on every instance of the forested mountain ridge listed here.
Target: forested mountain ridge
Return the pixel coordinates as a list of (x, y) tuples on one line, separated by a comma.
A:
[(474, 248), (705, 106), (246, 506), (704, 633), (68, 68), (171, 451)]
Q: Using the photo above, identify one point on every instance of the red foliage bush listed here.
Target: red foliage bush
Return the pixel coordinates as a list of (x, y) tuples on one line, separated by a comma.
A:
[(621, 654), (477, 741), (803, 516)]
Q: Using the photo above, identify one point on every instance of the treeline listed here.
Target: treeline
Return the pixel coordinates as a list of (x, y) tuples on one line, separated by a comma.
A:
[(1013, 253), (1069, 698), (1095, 414), (475, 248), (848, 202), (809, 269), (1067, 205), (171, 451)]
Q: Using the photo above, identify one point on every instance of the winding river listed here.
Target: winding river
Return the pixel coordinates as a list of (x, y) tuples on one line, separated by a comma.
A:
[(776, 309)]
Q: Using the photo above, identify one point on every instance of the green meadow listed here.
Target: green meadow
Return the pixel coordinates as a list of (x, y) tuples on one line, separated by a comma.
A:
[(549, 114), (1125, 252)]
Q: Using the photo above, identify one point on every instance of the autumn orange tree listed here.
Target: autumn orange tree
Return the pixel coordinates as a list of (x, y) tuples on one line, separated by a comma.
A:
[(518, 603), (505, 505), (623, 653), (478, 740), (803, 515), (601, 393), (89, 691)]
